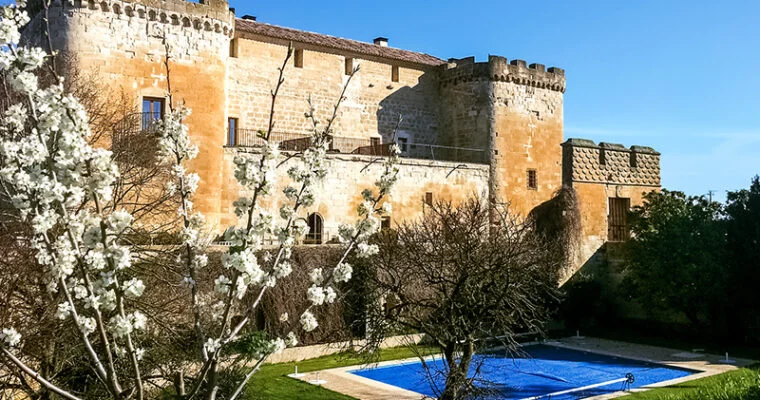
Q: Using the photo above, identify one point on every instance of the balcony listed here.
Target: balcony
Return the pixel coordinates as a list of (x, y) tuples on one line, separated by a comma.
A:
[(362, 146)]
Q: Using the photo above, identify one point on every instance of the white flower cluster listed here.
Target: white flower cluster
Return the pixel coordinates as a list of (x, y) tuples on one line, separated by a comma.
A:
[(318, 295), (258, 171), (122, 326), (10, 337), (308, 321)]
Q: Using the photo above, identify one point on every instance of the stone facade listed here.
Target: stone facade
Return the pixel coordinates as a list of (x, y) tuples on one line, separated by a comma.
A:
[(602, 172), (492, 128)]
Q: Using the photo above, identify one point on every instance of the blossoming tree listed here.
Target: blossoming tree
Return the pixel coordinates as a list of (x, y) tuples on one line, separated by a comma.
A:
[(61, 185)]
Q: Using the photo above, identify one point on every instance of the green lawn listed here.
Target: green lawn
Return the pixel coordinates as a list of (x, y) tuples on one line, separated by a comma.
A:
[(742, 384), (271, 381)]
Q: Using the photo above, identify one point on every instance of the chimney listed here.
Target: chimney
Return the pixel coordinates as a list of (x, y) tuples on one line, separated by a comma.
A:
[(381, 41), (249, 17)]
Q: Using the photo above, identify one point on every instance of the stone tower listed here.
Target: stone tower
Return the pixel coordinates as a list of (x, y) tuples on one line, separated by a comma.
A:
[(514, 111), (123, 43)]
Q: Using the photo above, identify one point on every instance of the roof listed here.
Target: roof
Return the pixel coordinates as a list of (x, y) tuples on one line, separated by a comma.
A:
[(348, 45)]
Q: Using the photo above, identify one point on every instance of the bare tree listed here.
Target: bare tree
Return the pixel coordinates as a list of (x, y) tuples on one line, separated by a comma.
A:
[(463, 276)]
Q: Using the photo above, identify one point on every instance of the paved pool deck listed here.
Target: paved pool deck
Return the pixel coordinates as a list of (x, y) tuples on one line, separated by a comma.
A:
[(342, 381)]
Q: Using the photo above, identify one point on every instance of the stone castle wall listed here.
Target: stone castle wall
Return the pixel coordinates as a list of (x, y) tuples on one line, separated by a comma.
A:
[(514, 111), (338, 196), (123, 43), (620, 173), (373, 102)]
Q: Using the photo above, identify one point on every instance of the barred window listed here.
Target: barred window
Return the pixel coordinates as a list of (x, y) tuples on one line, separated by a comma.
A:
[(532, 179)]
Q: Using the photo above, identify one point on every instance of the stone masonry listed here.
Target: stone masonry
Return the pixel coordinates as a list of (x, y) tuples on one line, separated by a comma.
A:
[(492, 129)]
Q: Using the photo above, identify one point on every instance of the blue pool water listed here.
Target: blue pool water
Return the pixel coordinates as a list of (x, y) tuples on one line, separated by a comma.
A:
[(543, 370)]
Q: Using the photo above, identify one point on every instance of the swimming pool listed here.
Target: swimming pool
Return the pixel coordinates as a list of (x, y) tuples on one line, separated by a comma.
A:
[(542, 371)]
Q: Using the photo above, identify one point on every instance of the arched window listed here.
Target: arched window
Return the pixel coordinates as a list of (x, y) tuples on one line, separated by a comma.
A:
[(316, 225)]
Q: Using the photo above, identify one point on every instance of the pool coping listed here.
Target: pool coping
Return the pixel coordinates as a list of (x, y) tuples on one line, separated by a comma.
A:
[(341, 380)]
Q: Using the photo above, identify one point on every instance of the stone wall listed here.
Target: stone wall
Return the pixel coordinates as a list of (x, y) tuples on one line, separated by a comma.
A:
[(373, 102), (122, 42), (596, 179), (514, 111), (340, 193)]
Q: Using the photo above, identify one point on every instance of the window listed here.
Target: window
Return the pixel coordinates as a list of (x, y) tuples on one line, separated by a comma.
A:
[(394, 73), (234, 48), (532, 179), (385, 223), (402, 144), (429, 198), (602, 157), (153, 110), (634, 161), (232, 131), (617, 220), (298, 58), (315, 223), (349, 66)]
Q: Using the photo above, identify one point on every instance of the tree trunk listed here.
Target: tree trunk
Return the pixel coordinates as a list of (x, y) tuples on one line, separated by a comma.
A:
[(456, 380)]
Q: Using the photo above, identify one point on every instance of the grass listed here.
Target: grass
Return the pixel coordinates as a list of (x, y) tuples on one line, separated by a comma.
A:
[(272, 382), (741, 384)]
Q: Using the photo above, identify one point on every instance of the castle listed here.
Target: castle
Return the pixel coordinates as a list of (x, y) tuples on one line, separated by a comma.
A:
[(492, 128)]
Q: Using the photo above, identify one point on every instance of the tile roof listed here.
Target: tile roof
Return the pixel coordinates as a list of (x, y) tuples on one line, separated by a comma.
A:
[(318, 39)]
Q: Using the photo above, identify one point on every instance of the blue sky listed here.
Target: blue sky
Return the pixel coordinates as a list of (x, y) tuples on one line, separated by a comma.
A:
[(680, 76)]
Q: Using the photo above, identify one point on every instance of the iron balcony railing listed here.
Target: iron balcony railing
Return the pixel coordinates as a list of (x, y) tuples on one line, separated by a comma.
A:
[(363, 146), (146, 122)]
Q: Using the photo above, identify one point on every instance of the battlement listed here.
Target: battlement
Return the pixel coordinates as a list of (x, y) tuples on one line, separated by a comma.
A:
[(609, 163), (206, 15), (499, 69)]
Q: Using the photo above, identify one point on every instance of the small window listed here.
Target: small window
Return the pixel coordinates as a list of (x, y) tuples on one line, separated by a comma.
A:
[(617, 220), (602, 157), (153, 110), (429, 198), (532, 179), (234, 48), (385, 223), (634, 161), (349, 66), (315, 223), (394, 73), (402, 144), (298, 58), (232, 132)]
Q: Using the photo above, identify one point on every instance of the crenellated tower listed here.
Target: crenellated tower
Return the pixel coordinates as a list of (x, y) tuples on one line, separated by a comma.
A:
[(123, 42), (515, 111)]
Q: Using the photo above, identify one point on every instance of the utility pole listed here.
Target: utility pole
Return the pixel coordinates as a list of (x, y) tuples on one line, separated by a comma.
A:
[(710, 194)]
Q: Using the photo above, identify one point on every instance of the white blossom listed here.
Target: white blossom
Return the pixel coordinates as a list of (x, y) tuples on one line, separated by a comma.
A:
[(10, 336), (342, 273), (120, 326), (64, 310), (316, 276), (330, 295), (316, 295), (87, 324), (291, 340), (282, 269), (139, 320), (222, 284), (365, 250), (212, 345), (308, 321), (133, 288)]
